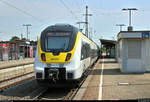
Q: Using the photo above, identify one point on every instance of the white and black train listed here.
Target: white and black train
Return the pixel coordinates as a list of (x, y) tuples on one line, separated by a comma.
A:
[(63, 54)]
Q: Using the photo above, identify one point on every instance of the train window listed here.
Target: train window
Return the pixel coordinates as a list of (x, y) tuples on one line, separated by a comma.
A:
[(55, 42), (85, 50)]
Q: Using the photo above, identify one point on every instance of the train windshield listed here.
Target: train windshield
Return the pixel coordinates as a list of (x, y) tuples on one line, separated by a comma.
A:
[(58, 41)]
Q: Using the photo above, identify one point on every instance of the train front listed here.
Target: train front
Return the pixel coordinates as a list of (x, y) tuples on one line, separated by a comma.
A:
[(55, 50)]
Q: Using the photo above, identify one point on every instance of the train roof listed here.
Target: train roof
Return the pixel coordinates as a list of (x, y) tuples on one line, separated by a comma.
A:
[(108, 43), (60, 27), (64, 27)]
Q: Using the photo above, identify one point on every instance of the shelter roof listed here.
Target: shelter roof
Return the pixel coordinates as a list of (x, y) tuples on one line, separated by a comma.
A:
[(108, 43)]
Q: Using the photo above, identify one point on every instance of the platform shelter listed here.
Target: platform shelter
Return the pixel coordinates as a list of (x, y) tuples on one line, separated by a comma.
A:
[(134, 51), (110, 46)]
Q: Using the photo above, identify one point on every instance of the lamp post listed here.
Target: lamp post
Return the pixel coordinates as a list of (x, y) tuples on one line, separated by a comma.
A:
[(27, 25), (86, 21), (120, 26), (79, 25), (129, 9)]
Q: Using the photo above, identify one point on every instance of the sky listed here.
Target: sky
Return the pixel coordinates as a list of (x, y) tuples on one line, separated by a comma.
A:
[(42, 13)]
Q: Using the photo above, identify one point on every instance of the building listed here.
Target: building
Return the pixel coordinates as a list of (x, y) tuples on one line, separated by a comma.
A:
[(134, 51), (110, 46), (17, 50)]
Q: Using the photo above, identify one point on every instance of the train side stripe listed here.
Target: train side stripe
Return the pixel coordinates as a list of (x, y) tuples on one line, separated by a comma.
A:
[(88, 39)]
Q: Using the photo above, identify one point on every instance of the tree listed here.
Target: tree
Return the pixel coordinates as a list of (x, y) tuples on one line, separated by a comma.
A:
[(103, 49), (23, 39), (14, 38)]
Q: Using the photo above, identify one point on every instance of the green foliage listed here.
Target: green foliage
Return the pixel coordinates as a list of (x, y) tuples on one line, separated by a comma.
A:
[(23, 39), (14, 39), (103, 49)]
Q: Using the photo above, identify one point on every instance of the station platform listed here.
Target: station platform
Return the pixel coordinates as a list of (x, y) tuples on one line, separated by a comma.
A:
[(15, 63), (13, 70), (106, 82)]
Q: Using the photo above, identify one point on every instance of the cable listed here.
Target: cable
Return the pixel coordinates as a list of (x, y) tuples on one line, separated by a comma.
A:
[(68, 9), (84, 2), (78, 5), (22, 11)]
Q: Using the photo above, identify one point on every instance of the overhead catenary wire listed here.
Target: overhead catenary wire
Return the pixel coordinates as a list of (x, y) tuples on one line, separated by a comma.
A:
[(78, 5), (34, 17), (84, 2), (69, 10), (20, 10)]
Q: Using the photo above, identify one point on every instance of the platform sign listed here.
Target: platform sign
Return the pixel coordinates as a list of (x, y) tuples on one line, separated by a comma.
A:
[(145, 35)]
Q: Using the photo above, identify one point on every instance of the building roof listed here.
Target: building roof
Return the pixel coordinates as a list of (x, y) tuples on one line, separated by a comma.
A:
[(133, 31), (108, 43)]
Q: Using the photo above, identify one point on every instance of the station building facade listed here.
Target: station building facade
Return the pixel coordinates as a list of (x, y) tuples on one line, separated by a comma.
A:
[(17, 50), (133, 51)]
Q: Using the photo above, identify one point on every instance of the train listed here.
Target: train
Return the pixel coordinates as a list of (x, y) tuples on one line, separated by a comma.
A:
[(63, 54)]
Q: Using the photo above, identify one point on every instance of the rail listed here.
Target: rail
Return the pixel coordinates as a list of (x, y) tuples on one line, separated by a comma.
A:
[(71, 94), (73, 91), (15, 74), (16, 63), (15, 80)]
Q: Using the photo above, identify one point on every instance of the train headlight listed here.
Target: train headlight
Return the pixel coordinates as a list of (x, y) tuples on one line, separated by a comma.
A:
[(43, 57), (68, 57)]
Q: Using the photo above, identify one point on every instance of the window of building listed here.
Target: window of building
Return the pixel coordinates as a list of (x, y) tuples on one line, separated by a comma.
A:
[(134, 49)]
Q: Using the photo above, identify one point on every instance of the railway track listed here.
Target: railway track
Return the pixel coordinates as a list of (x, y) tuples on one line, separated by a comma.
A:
[(13, 65), (13, 74), (73, 91), (44, 93), (4, 84), (68, 95)]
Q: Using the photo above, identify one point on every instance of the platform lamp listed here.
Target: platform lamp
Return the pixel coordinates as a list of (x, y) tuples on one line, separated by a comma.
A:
[(129, 9), (120, 26), (80, 26), (27, 25)]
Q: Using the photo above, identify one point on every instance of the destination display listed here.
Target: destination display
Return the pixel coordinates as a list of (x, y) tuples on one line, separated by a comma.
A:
[(58, 33)]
